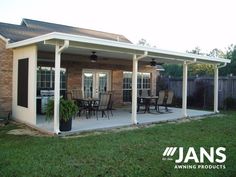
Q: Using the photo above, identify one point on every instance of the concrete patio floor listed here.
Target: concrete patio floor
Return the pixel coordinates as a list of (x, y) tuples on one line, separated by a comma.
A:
[(121, 117)]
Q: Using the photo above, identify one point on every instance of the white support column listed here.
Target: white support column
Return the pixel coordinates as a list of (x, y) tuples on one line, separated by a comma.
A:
[(57, 88), (134, 90), (184, 91), (216, 76), (58, 51)]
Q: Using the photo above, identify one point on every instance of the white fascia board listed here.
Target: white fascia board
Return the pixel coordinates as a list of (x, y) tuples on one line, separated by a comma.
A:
[(119, 45), (134, 47), (30, 41), (4, 39)]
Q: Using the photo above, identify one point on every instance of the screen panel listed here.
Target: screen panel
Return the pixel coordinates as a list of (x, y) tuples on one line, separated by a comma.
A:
[(22, 85)]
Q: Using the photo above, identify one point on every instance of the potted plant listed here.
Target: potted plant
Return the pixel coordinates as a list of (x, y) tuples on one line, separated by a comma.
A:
[(68, 109)]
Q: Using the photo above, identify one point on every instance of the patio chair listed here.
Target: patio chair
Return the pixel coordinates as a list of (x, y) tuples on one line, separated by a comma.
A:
[(160, 100), (145, 93), (69, 95), (76, 93), (103, 105), (169, 100)]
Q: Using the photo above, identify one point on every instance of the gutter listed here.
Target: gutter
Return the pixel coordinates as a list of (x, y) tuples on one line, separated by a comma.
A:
[(142, 56), (125, 47), (191, 62), (5, 39), (222, 66), (65, 46)]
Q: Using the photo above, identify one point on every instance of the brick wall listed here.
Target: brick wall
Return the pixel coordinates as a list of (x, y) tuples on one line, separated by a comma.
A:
[(76, 63), (6, 61)]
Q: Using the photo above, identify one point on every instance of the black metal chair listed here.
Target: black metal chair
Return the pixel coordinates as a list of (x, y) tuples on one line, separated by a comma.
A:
[(110, 104), (76, 95)]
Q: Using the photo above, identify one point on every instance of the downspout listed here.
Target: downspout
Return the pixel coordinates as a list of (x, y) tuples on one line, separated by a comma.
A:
[(58, 52), (134, 86), (222, 66), (185, 86), (216, 86), (65, 46), (142, 56), (191, 62)]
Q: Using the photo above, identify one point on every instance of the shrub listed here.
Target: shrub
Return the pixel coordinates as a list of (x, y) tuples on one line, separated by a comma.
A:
[(229, 103), (67, 109)]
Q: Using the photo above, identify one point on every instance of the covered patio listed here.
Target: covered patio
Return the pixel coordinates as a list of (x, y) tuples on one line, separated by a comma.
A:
[(113, 52), (120, 118)]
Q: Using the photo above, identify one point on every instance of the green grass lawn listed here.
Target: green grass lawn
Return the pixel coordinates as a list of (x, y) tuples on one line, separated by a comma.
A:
[(128, 153)]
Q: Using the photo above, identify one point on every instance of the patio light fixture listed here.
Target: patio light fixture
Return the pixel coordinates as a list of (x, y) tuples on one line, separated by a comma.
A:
[(93, 57), (153, 63)]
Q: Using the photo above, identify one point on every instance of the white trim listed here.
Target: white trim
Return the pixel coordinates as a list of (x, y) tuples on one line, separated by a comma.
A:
[(184, 89), (134, 90), (57, 90), (95, 73), (58, 50), (4, 39), (222, 66), (121, 46), (216, 88)]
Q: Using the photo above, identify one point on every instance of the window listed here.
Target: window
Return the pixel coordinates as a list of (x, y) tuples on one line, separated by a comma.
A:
[(143, 83), (45, 78), (127, 86)]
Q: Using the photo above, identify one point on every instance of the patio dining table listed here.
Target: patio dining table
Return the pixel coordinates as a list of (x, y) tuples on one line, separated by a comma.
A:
[(147, 102), (88, 104)]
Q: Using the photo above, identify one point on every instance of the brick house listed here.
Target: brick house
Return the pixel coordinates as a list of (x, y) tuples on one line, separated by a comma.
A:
[(63, 58)]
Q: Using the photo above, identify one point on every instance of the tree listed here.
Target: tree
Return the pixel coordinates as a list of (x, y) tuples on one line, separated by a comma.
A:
[(206, 69), (230, 68), (196, 50), (175, 70), (200, 69), (143, 42), (216, 53)]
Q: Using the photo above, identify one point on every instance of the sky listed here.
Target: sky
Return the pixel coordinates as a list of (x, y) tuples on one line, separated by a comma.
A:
[(177, 25)]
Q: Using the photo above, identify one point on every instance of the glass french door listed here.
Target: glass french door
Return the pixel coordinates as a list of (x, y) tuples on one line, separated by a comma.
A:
[(95, 82)]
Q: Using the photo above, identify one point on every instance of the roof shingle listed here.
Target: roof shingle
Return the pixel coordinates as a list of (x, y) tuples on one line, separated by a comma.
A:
[(32, 28)]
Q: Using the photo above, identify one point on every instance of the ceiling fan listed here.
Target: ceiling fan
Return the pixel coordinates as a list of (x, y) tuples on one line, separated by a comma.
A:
[(154, 63), (93, 57)]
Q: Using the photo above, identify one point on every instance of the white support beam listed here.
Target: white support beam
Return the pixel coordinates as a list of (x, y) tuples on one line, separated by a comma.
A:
[(184, 91), (58, 51), (134, 86), (216, 76), (57, 89), (134, 90)]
